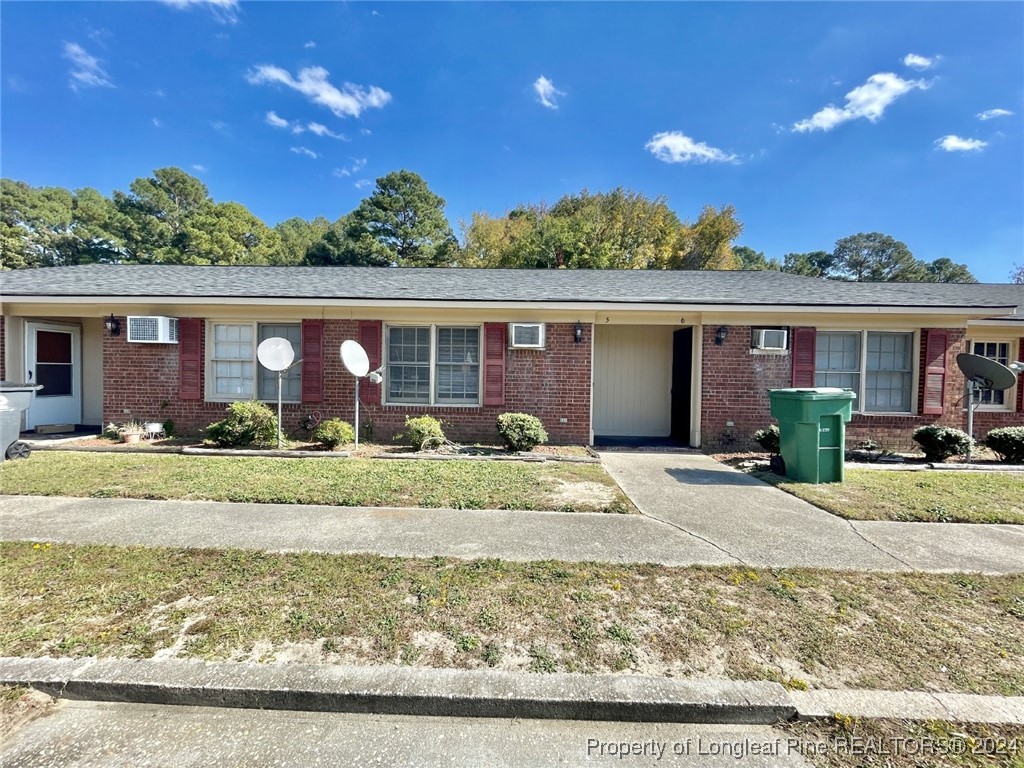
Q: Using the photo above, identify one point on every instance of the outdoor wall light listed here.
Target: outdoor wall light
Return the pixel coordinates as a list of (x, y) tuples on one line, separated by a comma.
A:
[(577, 334), (113, 325), (721, 335)]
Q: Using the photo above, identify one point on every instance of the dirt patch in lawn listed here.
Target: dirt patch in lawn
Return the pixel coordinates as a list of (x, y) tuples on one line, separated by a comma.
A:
[(803, 628), (20, 705)]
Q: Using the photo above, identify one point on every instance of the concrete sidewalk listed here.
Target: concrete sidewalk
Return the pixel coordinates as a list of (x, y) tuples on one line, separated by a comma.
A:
[(757, 524)]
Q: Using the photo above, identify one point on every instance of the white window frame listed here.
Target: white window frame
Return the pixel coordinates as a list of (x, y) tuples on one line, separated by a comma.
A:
[(432, 402), (1009, 395), (212, 396), (862, 378), (542, 336)]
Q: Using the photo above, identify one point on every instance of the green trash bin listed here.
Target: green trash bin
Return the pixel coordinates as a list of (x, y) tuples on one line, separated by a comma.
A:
[(812, 431)]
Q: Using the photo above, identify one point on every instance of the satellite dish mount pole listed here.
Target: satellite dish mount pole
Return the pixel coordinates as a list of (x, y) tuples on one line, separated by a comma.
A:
[(357, 411)]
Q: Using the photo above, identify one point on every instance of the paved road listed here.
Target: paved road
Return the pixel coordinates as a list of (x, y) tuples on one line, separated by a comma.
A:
[(696, 512), (82, 734)]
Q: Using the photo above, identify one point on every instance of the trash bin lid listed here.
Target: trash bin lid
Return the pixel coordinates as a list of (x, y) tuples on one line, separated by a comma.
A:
[(10, 386), (813, 393)]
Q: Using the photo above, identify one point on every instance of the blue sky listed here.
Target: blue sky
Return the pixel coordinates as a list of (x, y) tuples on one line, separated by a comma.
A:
[(815, 120)]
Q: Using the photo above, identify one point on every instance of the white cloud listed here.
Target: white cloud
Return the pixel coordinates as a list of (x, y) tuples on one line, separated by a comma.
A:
[(199, 168), (309, 44), (157, 123), (225, 11), (219, 126), (868, 101), (953, 143), (362, 184), (357, 165), (348, 101), (546, 92), (323, 130), (676, 147), (365, 131), (988, 114), (277, 122), (304, 151), (86, 70), (918, 62)]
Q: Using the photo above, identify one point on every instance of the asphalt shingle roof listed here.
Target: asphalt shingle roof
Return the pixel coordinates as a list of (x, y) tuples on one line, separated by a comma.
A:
[(500, 285)]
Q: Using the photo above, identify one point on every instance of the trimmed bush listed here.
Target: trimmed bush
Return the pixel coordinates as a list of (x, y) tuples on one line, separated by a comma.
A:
[(335, 433), (249, 422), (768, 438), (420, 430), (1008, 443), (521, 431), (939, 443)]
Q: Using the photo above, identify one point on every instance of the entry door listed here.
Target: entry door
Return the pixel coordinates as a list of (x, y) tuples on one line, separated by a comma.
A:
[(52, 358)]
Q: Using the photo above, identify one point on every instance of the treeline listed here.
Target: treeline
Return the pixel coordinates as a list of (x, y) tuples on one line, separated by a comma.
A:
[(170, 218)]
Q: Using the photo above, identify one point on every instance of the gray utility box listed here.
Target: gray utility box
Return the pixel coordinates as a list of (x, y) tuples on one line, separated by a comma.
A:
[(14, 401)]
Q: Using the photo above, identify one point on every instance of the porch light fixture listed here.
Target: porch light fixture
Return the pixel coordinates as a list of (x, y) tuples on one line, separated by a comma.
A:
[(577, 333), (721, 335), (113, 325)]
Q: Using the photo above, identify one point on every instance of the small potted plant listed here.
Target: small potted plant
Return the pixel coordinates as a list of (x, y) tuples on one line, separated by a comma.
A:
[(131, 432)]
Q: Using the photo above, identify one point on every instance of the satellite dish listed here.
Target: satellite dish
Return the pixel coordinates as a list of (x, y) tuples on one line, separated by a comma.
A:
[(354, 357), (987, 374), (275, 353)]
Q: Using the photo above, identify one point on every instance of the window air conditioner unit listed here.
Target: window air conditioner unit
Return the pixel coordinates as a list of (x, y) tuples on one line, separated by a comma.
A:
[(153, 330), (526, 335), (770, 338)]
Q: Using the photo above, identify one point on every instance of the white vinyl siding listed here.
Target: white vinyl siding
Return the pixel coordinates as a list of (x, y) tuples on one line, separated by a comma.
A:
[(632, 381)]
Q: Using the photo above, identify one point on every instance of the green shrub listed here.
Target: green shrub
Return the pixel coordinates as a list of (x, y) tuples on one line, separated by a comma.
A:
[(1008, 442), (768, 438), (939, 443), (169, 428), (521, 431), (420, 430), (335, 433), (249, 422)]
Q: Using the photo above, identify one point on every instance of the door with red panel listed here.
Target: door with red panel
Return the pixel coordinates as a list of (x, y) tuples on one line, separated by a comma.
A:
[(53, 359)]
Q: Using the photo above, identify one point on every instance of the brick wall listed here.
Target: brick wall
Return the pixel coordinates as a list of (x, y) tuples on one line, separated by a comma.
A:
[(734, 387), (550, 384)]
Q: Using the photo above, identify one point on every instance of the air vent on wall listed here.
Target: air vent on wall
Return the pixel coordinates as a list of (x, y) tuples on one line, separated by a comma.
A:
[(526, 335), (153, 329), (773, 339)]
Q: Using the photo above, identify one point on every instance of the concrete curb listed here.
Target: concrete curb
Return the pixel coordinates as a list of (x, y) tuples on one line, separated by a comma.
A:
[(404, 691), (482, 693)]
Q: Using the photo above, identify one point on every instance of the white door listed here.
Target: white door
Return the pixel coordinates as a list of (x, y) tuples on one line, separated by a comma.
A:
[(632, 380), (53, 359)]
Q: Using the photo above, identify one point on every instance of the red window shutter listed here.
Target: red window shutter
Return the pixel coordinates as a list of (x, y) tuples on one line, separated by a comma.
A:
[(370, 332), (190, 358), (494, 363), (804, 340), (1020, 379), (312, 361), (936, 344)]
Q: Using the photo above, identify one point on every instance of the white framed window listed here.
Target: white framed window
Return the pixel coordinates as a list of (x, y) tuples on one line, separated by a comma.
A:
[(999, 351), (526, 335), (233, 372), (877, 365), (432, 364)]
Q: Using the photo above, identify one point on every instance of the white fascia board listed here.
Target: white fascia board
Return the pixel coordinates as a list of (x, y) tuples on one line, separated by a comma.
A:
[(977, 311)]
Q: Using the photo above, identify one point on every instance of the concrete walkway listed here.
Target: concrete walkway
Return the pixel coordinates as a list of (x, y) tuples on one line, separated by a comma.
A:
[(697, 513), (757, 524)]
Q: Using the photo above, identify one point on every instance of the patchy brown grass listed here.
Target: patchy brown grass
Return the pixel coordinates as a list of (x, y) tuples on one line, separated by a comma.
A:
[(800, 627), (847, 742)]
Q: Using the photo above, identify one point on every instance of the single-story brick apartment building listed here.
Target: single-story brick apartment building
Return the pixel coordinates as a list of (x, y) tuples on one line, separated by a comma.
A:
[(595, 354)]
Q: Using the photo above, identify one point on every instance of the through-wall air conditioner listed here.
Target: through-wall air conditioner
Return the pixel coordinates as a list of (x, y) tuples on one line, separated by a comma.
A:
[(774, 339), (153, 329), (526, 335)]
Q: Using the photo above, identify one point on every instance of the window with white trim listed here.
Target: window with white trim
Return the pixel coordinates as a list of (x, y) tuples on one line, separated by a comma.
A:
[(877, 365), (1000, 352), (432, 365), (233, 370)]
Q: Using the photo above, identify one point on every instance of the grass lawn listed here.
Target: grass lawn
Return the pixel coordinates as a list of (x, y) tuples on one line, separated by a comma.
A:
[(934, 497), (847, 742), (800, 627), (344, 482)]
